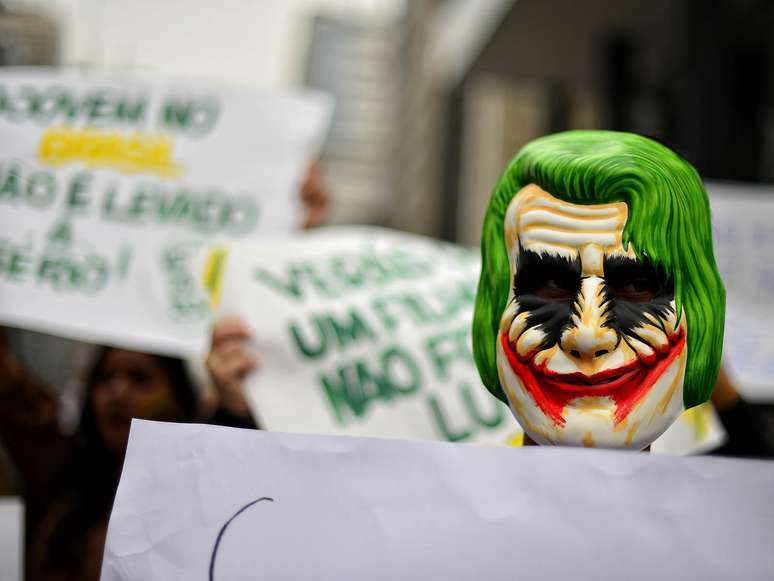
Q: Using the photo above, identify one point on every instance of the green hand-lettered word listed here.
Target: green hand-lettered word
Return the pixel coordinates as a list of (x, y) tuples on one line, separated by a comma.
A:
[(77, 192), (195, 117), (448, 347), (332, 331), (58, 104), (187, 301), (36, 188), (354, 386), (85, 273), (334, 276), (16, 261), (476, 421), (204, 211), (61, 233), (432, 306)]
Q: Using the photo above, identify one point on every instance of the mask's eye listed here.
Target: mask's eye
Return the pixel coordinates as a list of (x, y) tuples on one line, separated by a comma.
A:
[(547, 277), (556, 290), (639, 290), (635, 280)]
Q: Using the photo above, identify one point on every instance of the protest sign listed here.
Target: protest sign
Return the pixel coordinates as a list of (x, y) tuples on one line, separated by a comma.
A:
[(11, 537), (108, 186), (205, 502), (742, 216), (364, 331)]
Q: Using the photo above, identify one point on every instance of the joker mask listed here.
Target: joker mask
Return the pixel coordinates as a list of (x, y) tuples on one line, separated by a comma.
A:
[(599, 312), (590, 350)]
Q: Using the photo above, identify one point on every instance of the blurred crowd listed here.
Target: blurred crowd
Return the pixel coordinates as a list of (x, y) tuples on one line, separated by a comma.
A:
[(68, 477), (68, 480)]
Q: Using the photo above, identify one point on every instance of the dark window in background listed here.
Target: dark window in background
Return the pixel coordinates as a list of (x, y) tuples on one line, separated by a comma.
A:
[(694, 74), (713, 102)]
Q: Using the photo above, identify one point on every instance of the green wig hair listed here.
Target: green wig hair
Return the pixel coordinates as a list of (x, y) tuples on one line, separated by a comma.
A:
[(668, 221)]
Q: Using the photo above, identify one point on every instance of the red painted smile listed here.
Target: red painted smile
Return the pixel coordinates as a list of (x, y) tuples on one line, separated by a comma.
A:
[(625, 385)]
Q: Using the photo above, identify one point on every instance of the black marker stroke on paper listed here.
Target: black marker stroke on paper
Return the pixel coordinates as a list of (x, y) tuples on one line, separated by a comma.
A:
[(223, 530)]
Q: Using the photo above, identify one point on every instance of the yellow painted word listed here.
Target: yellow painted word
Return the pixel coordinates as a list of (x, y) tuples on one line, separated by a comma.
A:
[(129, 153)]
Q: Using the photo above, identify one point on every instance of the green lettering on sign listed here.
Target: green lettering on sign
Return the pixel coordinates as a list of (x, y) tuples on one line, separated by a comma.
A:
[(494, 419), (77, 201), (10, 186), (446, 430), (331, 331), (448, 347), (196, 118), (354, 386), (61, 233)]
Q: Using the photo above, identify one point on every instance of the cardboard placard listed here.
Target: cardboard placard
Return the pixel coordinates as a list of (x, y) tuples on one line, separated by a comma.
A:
[(110, 185), (364, 331), (205, 502)]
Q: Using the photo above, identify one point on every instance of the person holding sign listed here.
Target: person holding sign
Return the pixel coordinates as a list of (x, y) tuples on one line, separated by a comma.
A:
[(228, 362), (599, 313), (68, 482)]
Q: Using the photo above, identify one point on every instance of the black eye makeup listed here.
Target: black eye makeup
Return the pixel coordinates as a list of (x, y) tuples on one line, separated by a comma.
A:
[(547, 277), (546, 286), (636, 289), (634, 280)]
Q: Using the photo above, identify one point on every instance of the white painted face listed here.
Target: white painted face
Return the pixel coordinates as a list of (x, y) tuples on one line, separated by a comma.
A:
[(590, 351)]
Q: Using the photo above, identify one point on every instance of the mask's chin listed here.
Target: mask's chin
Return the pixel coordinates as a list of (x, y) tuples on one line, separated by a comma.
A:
[(630, 417)]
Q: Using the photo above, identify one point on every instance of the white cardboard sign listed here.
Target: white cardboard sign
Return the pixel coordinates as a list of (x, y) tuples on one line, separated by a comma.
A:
[(11, 538), (219, 504), (743, 223), (364, 331), (108, 186)]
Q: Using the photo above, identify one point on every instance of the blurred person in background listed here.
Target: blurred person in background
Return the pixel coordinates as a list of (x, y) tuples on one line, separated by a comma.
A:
[(315, 197), (68, 482), (750, 427)]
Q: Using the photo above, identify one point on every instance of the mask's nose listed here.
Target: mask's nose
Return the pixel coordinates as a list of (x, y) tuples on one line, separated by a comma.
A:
[(587, 338)]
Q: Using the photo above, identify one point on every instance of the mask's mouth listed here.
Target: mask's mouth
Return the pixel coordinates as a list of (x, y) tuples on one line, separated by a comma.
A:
[(625, 385), (601, 383)]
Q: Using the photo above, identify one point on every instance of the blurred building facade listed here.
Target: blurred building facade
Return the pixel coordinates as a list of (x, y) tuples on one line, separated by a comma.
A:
[(695, 75), (359, 62), (27, 38)]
